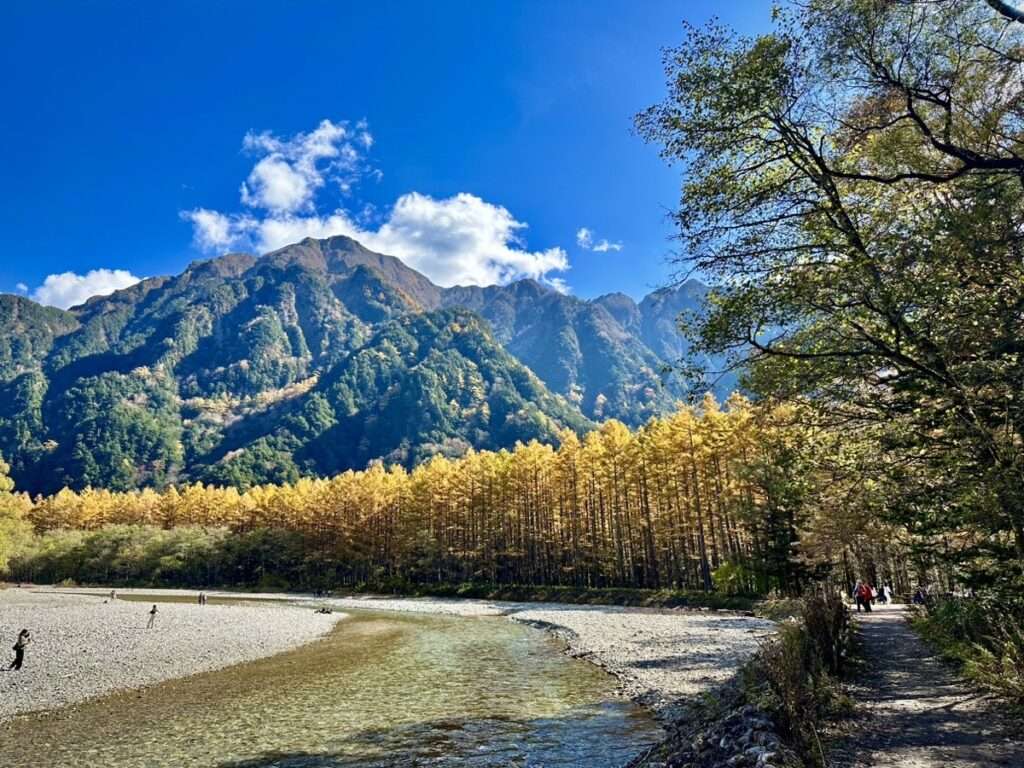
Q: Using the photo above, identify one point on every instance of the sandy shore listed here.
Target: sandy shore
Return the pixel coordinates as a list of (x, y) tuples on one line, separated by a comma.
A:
[(83, 647), (658, 656)]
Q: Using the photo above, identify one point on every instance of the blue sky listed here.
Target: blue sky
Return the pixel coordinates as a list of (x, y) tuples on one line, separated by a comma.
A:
[(434, 130)]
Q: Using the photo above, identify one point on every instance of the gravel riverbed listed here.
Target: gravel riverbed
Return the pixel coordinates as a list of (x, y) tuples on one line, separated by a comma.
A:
[(82, 647)]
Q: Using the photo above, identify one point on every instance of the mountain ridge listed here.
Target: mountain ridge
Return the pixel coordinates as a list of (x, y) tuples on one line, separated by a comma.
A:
[(229, 371)]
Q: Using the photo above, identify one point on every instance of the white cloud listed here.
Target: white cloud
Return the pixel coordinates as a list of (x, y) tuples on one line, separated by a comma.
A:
[(458, 240), (276, 185), (213, 230), (69, 289), (21, 288), (290, 171), (462, 240), (585, 240)]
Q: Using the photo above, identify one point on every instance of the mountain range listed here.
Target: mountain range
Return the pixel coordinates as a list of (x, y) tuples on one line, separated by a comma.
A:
[(316, 358)]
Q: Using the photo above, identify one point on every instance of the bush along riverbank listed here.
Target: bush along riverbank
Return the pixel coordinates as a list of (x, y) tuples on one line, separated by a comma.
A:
[(983, 636), (772, 712)]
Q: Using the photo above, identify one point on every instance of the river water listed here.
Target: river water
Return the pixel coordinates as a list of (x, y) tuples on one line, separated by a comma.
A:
[(383, 689)]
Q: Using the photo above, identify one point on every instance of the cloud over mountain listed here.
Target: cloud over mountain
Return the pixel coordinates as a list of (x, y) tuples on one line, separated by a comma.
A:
[(69, 289), (458, 240)]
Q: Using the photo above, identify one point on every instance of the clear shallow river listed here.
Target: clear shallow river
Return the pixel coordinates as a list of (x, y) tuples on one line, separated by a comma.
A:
[(384, 689)]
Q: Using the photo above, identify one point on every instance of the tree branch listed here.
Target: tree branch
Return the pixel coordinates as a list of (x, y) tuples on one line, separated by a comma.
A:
[(1006, 10)]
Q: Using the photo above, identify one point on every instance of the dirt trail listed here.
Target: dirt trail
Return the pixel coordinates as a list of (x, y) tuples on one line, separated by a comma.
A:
[(917, 713)]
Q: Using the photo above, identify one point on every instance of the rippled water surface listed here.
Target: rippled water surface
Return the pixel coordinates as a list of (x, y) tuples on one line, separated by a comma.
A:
[(381, 690)]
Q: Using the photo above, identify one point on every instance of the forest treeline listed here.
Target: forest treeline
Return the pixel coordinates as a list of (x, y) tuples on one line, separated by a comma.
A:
[(708, 498)]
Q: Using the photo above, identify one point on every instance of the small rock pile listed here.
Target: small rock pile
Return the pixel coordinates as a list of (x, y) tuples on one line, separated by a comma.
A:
[(727, 734), (744, 738)]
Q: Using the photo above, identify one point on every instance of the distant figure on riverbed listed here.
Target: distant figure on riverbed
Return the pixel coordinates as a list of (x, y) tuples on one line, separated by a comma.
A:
[(202, 598), (24, 638), (152, 617), (113, 594)]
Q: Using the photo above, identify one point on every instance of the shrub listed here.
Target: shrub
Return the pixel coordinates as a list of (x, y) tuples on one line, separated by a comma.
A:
[(732, 579), (796, 672), (985, 635)]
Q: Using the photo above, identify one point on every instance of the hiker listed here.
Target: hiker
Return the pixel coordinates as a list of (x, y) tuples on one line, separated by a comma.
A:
[(864, 597), (856, 594), (24, 638), (152, 617), (113, 595), (202, 598), (882, 597)]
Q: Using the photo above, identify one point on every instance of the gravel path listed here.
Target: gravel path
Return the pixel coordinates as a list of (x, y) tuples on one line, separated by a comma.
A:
[(83, 647), (917, 712), (659, 656)]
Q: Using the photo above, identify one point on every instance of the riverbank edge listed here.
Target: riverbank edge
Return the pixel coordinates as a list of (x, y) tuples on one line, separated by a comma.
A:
[(228, 655), (770, 713), (628, 686), (724, 718)]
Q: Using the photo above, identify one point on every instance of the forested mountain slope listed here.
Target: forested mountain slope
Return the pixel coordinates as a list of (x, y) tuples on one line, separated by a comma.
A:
[(316, 358)]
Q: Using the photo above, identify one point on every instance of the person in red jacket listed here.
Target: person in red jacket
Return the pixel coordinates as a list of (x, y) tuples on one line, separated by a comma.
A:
[(864, 596)]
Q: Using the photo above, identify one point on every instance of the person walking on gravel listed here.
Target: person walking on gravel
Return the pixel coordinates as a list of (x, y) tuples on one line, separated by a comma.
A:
[(152, 617), (24, 638)]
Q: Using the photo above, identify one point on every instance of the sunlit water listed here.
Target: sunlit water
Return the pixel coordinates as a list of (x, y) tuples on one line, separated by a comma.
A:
[(381, 690)]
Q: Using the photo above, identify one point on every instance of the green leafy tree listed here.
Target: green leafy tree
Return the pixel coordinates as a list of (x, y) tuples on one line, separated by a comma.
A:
[(854, 189)]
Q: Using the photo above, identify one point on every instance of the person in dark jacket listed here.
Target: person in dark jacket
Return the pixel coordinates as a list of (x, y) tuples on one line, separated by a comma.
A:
[(24, 638)]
